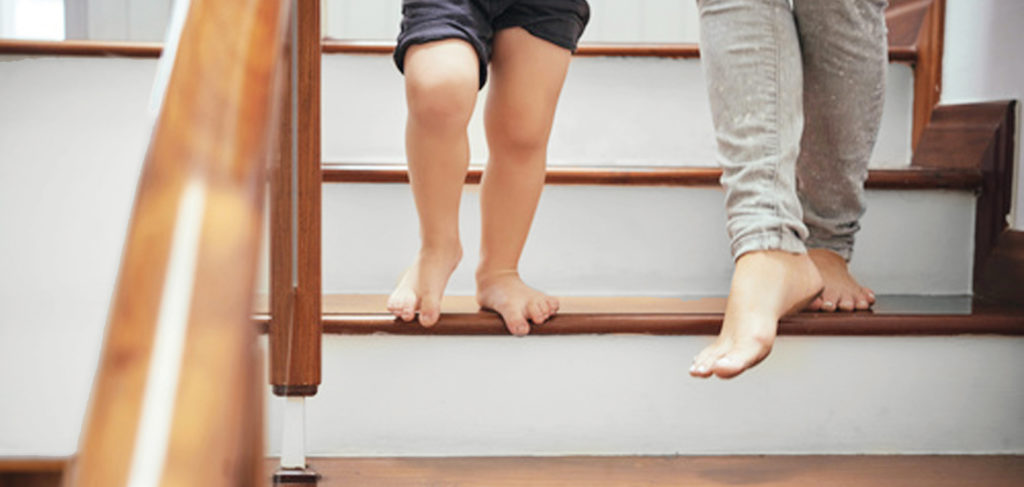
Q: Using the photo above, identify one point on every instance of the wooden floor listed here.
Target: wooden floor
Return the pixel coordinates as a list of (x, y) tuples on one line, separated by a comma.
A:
[(723, 471), (790, 471)]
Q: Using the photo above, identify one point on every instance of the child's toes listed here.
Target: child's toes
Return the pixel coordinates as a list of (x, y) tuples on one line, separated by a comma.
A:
[(544, 308), (515, 321), (405, 308), (430, 311), (536, 313), (553, 304)]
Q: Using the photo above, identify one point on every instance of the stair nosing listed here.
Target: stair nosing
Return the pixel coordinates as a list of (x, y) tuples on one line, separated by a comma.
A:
[(902, 178), (897, 54)]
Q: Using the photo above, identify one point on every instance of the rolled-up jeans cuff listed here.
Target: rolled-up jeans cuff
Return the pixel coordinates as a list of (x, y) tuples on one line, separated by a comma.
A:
[(781, 240)]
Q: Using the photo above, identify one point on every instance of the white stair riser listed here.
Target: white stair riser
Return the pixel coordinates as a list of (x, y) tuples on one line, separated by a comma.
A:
[(637, 111), (631, 395), (602, 240)]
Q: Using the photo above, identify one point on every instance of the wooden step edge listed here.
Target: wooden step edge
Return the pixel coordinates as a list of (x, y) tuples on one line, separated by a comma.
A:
[(1005, 323), (33, 471), (32, 464), (676, 470), (82, 48), (669, 50), (909, 178), (902, 54)]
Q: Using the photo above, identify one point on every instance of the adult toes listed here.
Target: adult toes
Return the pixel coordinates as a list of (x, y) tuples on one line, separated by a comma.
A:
[(739, 359), (829, 301), (869, 295), (815, 305), (703, 362)]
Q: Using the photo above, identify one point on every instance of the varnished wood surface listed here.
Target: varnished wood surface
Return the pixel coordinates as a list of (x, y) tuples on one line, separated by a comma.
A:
[(897, 53), (1002, 278), (910, 178), (716, 471), (622, 471), (209, 142), (82, 48), (305, 372), (295, 262), (978, 137), (893, 315)]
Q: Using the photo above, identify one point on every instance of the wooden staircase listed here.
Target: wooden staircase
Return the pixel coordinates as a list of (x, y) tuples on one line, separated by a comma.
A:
[(967, 148)]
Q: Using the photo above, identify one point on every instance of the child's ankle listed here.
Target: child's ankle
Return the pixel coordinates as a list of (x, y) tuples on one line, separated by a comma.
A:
[(441, 245), (486, 274), (448, 250)]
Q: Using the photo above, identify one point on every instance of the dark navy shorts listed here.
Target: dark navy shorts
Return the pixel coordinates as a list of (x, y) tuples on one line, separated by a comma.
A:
[(560, 22)]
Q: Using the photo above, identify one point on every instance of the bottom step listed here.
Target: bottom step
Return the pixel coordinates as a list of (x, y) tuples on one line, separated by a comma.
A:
[(790, 471)]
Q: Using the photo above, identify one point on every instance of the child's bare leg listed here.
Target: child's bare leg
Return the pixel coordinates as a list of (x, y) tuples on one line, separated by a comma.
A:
[(766, 285), (526, 78), (442, 79), (841, 290)]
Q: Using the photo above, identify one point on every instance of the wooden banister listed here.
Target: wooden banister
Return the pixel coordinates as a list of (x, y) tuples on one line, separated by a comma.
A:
[(295, 223), (177, 399)]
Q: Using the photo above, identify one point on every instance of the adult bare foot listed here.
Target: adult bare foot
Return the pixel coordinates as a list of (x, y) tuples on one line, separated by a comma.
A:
[(766, 286), (841, 292), (507, 294), (422, 285)]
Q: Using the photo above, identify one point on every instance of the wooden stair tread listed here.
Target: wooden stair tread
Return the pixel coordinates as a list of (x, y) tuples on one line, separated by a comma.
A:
[(708, 471), (905, 178), (360, 314), (897, 53)]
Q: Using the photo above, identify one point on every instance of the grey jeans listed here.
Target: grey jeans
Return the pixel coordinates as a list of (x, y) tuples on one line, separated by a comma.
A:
[(796, 97)]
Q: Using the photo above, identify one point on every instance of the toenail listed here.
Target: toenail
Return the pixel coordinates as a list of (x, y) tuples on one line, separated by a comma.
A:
[(726, 362), (827, 304)]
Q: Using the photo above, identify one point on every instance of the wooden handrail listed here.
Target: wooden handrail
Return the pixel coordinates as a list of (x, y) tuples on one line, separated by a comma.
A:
[(177, 399), (295, 223)]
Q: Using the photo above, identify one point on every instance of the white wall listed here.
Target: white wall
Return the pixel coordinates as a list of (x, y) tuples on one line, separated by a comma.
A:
[(73, 132), (32, 19), (983, 61)]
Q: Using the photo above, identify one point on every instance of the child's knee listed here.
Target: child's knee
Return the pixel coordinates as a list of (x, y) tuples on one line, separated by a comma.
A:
[(441, 99), (523, 135)]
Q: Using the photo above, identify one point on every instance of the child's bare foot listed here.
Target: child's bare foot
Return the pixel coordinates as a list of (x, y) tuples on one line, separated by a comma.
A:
[(422, 285), (507, 294), (766, 286), (842, 292)]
